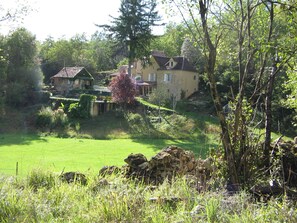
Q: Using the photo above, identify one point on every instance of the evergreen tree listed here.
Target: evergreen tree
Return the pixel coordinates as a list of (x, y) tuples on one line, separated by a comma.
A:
[(133, 27), (23, 72)]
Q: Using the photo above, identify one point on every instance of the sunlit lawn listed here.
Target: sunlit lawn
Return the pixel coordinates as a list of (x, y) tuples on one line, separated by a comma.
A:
[(70, 154)]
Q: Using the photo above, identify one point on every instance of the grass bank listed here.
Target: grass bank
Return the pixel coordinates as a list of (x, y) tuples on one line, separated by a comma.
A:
[(93, 143), (73, 154)]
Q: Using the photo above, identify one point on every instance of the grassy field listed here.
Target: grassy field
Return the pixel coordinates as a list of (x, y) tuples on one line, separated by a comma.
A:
[(104, 140), (40, 196), (72, 154)]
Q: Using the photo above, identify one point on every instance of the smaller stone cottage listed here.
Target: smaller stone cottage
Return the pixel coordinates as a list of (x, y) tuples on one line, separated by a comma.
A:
[(70, 78)]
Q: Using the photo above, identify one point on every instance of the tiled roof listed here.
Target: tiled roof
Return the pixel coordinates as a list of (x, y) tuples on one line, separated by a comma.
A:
[(69, 72), (182, 63), (161, 61)]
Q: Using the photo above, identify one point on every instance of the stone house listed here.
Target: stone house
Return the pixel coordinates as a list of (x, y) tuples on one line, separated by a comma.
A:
[(70, 78), (179, 78)]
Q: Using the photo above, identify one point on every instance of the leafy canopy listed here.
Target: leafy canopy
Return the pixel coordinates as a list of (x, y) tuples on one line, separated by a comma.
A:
[(123, 89)]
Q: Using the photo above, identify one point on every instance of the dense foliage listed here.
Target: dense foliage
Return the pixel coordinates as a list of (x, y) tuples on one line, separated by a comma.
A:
[(123, 89), (97, 54), (48, 120), (20, 75), (82, 109)]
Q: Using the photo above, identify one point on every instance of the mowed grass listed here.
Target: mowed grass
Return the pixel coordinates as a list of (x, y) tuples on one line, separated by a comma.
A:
[(72, 154)]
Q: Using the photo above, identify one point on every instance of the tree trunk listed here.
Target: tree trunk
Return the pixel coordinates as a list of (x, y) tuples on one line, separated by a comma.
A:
[(268, 115), (211, 60), (268, 99)]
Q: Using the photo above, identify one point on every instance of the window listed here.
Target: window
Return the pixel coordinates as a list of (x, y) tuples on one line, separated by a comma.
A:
[(167, 77), (152, 77), (138, 78), (194, 77)]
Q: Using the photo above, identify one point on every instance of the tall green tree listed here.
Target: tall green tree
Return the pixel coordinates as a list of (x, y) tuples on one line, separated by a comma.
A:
[(106, 53), (3, 73), (23, 72), (55, 55), (133, 27), (172, 39), (9, 15), (97, 54)]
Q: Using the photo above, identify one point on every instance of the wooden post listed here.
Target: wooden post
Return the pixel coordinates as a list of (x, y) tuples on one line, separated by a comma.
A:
[(17, 168)]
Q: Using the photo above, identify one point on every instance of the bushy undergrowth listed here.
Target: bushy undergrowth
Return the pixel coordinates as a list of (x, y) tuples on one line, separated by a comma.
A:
[(48, 119), (177, 126), (167, 126), (115, 199), (82, 108)]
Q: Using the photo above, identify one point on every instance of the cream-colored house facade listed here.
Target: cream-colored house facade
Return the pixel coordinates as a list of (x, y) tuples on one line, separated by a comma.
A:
[(179, 78)]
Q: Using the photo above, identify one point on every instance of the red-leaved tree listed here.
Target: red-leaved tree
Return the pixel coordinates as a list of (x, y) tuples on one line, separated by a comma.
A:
[(123, 89)]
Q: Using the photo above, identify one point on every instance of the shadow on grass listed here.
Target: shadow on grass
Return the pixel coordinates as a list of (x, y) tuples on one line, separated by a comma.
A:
[(105, 126), (19, 139)]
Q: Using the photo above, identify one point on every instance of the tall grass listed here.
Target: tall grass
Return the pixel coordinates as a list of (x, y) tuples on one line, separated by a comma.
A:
[(115, 199)]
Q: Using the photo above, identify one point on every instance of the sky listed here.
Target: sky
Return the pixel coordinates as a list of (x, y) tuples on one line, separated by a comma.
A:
[(65, 18)]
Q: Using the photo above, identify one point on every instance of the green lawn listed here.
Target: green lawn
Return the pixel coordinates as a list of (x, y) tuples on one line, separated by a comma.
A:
[(71, 154)]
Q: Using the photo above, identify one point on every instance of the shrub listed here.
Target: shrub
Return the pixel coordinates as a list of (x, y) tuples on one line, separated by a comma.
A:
[(73, 110), (82, 108), (60, 119), (137, 124), (85, 101), (45, 118), (39, 179), (134, 118), (49, 119)]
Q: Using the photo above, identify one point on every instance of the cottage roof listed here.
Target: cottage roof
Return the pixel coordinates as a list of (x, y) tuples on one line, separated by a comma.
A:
[(161, 61), (72, 72), (181, 63)]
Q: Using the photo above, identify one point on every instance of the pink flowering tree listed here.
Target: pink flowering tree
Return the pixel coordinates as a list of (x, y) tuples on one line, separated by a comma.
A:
[(123, 89)]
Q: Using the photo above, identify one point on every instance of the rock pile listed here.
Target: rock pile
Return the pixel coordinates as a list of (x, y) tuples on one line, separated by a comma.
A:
[(169, 162)]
